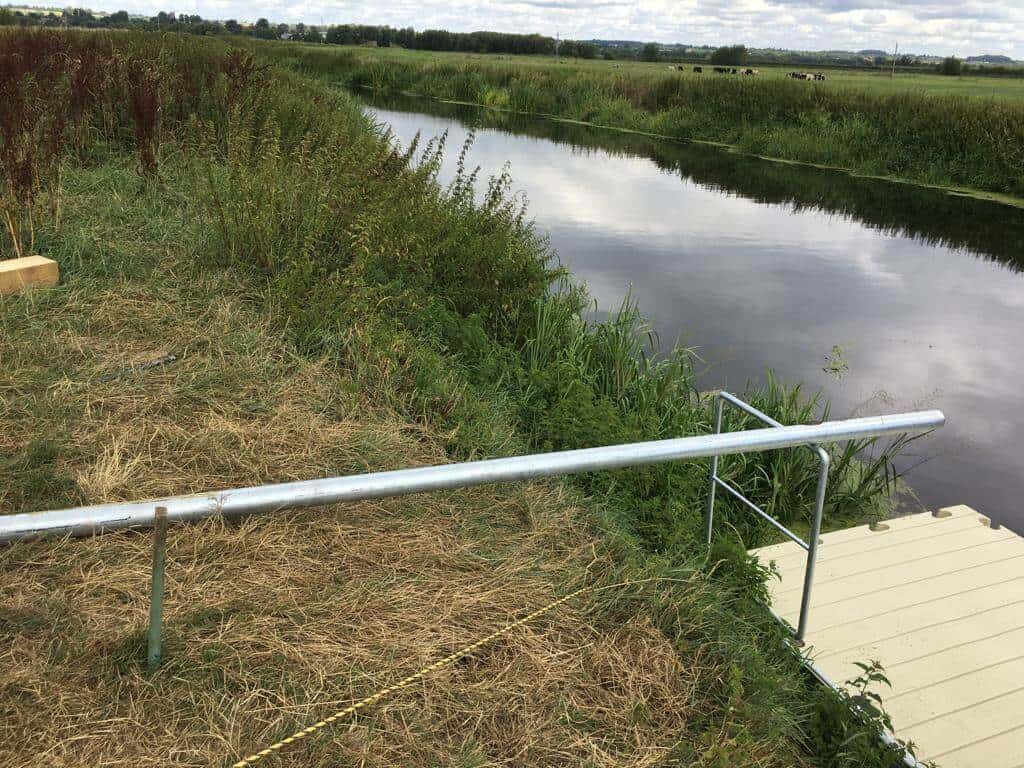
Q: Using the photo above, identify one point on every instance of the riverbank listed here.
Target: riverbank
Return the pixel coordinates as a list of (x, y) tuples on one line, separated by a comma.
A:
[(964, 144), (334, 308), (968, 192)]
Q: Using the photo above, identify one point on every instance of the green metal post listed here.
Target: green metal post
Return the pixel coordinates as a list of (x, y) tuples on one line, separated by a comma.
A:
[(156, 595)]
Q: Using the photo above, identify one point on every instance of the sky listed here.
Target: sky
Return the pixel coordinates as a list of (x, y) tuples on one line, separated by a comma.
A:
[(940, 27)]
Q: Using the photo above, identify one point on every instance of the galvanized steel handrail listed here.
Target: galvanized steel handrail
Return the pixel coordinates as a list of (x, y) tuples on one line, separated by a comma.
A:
[(103, 518)]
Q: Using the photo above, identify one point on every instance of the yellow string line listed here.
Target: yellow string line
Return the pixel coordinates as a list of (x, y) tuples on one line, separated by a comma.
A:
[(406, 682)]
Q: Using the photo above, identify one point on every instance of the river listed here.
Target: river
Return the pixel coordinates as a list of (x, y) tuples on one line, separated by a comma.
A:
[(887, 297)]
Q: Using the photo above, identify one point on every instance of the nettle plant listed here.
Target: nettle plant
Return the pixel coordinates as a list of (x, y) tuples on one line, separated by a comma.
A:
[(851, 722)]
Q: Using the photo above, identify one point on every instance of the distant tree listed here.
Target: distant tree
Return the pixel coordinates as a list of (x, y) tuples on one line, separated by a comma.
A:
[(232, 27), (7, 18), (650, 52), (733, 55), (313, 35), (608, 55), (951, 65), (78, 17), (262, 30)]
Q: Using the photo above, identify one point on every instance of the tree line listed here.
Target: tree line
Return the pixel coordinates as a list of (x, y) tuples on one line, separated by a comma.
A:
[(338, 34), (435, 39)]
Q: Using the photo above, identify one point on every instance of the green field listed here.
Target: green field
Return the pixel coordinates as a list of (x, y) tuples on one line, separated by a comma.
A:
[(1010, 88)]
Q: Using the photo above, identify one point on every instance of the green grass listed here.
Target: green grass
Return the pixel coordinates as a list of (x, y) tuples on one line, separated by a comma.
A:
[(879, 82), (920, 129), (337, 309)]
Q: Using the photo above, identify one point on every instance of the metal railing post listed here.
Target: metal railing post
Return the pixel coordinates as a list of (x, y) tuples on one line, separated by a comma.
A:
[(709, 514), (812, 549), (156, 593)]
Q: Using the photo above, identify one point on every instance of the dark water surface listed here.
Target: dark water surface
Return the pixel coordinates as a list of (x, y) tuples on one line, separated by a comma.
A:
[(764, 265)]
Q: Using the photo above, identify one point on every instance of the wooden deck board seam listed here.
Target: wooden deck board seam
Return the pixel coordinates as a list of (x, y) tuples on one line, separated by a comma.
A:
[(908, 606), (922, 627), (967, 569), (1001, 662)]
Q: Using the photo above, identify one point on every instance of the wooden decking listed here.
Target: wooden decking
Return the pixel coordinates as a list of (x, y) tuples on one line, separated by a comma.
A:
[(939, 601)]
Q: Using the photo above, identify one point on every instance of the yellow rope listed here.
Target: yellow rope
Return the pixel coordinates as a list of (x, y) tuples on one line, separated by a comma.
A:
[(406, 682)]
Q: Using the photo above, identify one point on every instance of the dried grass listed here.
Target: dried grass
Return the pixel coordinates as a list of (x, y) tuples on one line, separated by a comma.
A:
[(271, 622)]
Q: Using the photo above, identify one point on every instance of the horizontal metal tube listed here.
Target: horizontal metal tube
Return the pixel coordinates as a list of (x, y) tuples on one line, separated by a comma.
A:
[(757, 510), (83, 521), (757, 414)]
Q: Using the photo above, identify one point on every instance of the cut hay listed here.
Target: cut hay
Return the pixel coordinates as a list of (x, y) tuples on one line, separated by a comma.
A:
[(273, 622)]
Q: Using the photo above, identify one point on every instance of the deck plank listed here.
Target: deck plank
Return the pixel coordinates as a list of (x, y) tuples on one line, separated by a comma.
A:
[(939, 601)]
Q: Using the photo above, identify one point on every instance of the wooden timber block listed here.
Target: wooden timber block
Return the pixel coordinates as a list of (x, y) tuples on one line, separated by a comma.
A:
[(18, 274)]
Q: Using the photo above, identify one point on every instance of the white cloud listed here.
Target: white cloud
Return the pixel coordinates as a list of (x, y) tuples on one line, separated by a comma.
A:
[(920, 26)]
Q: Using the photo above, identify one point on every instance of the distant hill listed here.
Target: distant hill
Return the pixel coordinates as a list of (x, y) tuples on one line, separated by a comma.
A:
[(989, 59), (784, 55)]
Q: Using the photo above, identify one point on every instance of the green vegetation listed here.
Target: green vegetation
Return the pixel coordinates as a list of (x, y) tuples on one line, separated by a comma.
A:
[(952, 66), (920, 137), (649, 52), (731, 54), (336, 309)]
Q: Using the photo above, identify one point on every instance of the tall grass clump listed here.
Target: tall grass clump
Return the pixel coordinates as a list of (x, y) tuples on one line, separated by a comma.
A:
[(74, 94)]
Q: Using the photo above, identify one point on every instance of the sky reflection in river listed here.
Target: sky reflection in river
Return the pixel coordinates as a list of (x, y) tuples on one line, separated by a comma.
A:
[(921, 291)]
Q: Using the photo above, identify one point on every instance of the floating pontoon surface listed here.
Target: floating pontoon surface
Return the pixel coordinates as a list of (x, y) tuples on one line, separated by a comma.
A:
[(939, 601)]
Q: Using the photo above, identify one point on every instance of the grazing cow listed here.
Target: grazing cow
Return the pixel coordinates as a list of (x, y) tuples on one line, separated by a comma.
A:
[(819, 76), (750, 72), (698, 70)]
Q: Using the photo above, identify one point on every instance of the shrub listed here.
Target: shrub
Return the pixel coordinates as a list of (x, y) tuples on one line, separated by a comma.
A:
[(950, 65), (733, 55), (649, 52)]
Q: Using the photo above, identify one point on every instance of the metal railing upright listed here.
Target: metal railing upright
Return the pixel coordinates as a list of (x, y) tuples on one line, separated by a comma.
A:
[(811, 547)]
